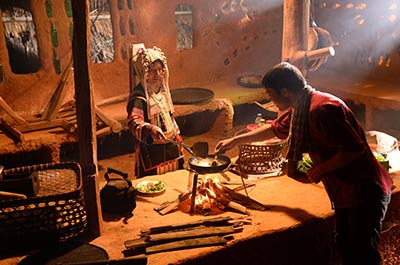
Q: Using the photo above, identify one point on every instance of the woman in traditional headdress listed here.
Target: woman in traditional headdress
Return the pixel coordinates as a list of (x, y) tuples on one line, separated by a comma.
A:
[(150, 115)]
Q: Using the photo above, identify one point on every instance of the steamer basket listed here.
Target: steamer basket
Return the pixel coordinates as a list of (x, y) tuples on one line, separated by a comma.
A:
[(55, 214), (261, 159)]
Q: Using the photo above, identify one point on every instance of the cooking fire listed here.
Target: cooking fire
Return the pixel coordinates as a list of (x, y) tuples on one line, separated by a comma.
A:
[(211, 197)]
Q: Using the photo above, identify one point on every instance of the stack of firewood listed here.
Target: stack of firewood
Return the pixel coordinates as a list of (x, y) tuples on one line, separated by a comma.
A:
[(208, 232)]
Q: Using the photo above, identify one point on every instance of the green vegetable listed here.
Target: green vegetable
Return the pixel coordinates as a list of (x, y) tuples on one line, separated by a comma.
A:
[(381, 157), (305, 164), (151, 187)]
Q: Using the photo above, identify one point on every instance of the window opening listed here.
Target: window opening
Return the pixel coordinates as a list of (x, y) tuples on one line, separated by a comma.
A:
[(101, 34), (20, 35)]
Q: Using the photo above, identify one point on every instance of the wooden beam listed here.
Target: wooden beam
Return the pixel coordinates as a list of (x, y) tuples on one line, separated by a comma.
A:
[(296, 15), (85, 116), (11, 112), (52, 109), (11, 131)]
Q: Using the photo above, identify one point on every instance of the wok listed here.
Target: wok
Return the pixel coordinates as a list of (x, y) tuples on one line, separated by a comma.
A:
[(209, 164)]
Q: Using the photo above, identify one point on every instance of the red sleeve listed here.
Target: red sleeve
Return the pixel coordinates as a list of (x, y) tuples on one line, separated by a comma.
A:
[(281, 124)]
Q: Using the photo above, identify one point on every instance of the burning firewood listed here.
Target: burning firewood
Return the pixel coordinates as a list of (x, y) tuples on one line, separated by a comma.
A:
[(233, 205), (245, 200), (169, 206), (211, 194)]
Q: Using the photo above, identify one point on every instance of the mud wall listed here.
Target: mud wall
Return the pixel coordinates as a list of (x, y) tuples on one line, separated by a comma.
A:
[(229, 37)]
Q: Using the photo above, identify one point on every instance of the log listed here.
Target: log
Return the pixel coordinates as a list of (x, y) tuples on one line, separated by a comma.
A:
[(116, 99), (115, 126), (217, 221), (172, 205), (11, 131), (41, 125), (187, 243), (136, 243), (137, 260), (233, 205), (11, 112), (245, 200), (51, 110), (196, 232)]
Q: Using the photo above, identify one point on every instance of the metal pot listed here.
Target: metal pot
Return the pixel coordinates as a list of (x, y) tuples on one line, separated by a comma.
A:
[(209, 164)]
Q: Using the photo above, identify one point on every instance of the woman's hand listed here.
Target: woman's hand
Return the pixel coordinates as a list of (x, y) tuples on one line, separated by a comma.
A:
[(157, 134)]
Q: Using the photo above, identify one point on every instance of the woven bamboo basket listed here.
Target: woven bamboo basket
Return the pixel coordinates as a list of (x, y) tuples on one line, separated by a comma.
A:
[(261, 159), (55, 214)]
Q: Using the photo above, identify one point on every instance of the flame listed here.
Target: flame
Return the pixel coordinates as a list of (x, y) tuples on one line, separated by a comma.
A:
[(208, 192)]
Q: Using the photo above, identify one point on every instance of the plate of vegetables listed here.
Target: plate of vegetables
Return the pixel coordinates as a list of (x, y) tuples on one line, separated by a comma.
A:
[(151, 187)]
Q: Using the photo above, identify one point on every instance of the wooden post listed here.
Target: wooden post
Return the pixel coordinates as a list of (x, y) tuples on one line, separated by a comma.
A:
[(296, 15), (296, 24), (85, 116)]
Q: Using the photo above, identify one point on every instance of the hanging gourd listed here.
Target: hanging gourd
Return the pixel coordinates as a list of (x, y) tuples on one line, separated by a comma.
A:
[(71, 30), (68, 8), (57, 62), (49, 8), (54, 35)]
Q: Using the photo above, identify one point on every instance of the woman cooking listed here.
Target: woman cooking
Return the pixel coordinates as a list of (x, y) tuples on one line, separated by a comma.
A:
[(150, 115)]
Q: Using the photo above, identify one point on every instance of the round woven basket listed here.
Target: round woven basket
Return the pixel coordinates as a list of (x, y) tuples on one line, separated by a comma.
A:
[(261, 159)]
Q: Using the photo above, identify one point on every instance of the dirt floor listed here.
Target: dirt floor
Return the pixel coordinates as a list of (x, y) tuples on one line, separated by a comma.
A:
[(390, 242)]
